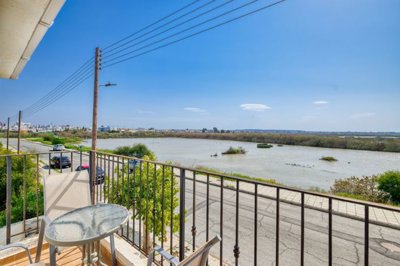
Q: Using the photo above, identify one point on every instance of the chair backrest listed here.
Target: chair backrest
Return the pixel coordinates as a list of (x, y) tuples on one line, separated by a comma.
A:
[(200, 256), (65, 192)]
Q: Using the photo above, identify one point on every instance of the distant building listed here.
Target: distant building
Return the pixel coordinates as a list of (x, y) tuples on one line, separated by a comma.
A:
[(104, 129)]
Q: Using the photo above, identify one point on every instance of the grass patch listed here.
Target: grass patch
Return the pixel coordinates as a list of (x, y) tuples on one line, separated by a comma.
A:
[(264, 145), (217, 172), (328, 159)]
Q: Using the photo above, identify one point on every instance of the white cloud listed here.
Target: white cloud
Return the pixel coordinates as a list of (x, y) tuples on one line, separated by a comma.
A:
[(320, 102), (194, 109), (257, 107), (362, 115)]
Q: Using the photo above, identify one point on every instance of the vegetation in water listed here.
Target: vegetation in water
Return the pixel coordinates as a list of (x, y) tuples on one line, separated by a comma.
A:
[(328, 158), (232, 150), (264, 145)]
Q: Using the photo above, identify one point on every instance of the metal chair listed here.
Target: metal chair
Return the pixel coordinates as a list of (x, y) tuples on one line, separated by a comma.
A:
[(198, 258), (20, 245), (62, 193)]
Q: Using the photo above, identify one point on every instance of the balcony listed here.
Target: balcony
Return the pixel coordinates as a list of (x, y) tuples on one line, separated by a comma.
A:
[(180, 208)]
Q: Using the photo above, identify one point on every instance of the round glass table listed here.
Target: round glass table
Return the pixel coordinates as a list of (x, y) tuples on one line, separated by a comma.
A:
[(85, 227)]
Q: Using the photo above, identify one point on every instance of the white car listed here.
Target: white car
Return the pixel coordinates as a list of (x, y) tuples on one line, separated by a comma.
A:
[(58, 147)]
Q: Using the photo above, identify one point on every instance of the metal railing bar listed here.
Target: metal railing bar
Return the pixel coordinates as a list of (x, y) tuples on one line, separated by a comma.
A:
[(24, 193), (277, 228), (221, 223), (172, 212), (236, 251), (302, 231), (194, 213), (255, 222), (318, 194), (330, 233), (366, 236)]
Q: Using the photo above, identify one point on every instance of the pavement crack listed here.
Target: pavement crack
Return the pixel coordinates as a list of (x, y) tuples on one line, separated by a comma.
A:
[(357, 253)]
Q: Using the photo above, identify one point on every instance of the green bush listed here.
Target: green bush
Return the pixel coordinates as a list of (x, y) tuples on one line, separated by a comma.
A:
[(48, 137), (360, 188), (138, 150), (148, 187), (389, 182), (57, 140), (17, 200)]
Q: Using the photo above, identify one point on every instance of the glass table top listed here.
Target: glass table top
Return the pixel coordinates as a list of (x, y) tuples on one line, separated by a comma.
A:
[(86, 224)]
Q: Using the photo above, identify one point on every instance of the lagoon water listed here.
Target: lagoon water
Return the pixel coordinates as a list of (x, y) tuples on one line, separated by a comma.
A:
[(296, 166)]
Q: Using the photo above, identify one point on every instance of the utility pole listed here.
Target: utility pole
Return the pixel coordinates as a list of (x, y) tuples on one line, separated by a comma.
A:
[(8, 132), (19, 131), (94, 120)]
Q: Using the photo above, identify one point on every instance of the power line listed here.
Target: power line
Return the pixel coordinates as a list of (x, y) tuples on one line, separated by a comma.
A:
[(185, 30), (193, 34), (59, 87), (57, 94), (157, 28), (171, 28), (83, 72), (64, 91), (80, 75), (150, 25), (71, 87)]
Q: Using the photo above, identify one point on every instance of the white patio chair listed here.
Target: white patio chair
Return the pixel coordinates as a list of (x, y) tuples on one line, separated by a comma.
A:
[(62, 193), (28, 254), (198, 258)]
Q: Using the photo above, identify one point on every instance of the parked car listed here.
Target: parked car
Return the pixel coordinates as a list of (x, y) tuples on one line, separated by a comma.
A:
[(58, 147), (100, 173), (60, 161), (132, 165)]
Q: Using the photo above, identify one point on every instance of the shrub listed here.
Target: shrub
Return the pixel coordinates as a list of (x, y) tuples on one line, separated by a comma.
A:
[(231, 150), (148, 187), (389, 182), (17, 167), (56, 141), (361, 188), (48, 137), (138, 150)]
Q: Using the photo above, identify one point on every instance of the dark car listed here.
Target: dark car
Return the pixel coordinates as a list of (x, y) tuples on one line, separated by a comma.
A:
[(60, 162), (100, 173), (132, 165)]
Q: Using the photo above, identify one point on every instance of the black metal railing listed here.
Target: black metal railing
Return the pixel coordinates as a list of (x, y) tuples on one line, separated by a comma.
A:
[(22, 176), (180, 208), (211, 203)]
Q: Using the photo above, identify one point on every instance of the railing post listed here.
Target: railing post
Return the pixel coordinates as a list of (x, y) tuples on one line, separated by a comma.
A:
[(8, 201), (182, 215), (91, 175)]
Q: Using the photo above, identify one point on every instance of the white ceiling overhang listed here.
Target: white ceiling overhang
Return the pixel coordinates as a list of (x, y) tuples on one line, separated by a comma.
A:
[(23, 23)]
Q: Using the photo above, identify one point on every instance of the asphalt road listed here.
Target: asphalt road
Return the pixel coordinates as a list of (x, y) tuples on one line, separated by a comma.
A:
[(348, 240), (35, 147)]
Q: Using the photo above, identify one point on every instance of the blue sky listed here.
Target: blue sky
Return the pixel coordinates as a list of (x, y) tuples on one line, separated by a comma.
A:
[(304, 64)]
